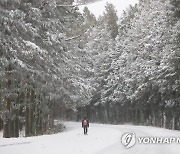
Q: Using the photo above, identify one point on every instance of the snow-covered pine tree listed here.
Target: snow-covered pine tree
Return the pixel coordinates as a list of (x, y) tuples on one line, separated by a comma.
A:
[(144, 71), (100, 47), (110, 17), (33, 57)]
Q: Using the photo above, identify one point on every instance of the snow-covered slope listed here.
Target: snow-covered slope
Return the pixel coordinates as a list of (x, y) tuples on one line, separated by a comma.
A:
[(101, 139), (98, 7)]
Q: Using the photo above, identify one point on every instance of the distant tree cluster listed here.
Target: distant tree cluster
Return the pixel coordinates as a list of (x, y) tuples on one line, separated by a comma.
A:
[(136, 66)]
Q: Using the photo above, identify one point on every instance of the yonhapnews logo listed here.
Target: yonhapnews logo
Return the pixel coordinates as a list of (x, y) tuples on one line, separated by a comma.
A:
[(128, 140)]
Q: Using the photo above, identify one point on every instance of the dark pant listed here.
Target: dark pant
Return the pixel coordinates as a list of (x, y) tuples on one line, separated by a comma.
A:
[(85, 129)]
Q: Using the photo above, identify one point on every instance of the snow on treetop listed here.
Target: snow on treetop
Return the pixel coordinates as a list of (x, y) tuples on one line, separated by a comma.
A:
[(98, 7)]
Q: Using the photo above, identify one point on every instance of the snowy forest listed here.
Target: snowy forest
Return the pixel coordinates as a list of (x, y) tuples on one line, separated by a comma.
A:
[(58, 63)]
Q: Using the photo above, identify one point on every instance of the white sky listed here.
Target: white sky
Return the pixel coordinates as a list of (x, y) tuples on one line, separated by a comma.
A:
[(98, 7)]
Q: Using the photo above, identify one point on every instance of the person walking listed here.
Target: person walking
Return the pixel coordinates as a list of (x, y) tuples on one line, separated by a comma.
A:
[(85, 125)]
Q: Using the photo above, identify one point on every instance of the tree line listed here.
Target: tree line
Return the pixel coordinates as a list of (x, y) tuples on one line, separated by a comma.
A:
[(136, 65), (40, 76)]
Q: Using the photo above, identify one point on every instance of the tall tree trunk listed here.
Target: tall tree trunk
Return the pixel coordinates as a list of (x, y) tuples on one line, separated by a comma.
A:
[(27, 121), (6, 133), (11, 129), (164, 120), (1, 124), (31, 112), (142, 117), (173, 122), (7, 124), (16, 127), (136, 116), (27, 114)]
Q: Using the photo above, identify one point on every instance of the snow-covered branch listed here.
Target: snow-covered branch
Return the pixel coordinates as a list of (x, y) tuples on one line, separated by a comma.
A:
[(75, 5), (71, 38)]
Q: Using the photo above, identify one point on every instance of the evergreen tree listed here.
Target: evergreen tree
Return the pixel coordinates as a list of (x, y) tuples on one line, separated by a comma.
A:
[(111, 19), (34, 71), (89, 18), (142, 86)]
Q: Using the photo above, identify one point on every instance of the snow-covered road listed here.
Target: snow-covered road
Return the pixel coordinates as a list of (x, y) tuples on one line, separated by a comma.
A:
[(101, 139)]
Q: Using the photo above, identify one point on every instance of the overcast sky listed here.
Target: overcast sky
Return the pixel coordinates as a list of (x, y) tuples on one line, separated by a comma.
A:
[(120, 5)]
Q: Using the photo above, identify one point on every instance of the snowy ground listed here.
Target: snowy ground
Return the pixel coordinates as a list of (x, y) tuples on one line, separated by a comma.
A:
[(101, 139)]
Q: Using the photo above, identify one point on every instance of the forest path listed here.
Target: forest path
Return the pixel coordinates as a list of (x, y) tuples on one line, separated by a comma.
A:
[(101, 139)]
